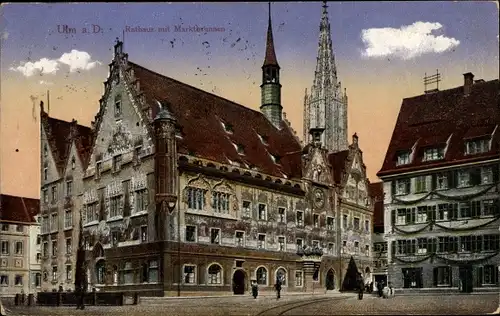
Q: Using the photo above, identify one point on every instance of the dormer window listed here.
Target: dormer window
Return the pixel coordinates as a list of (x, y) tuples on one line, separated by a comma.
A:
[(433, 154), (403, 158), (263, 139), (118, 106), (239, 148), (275, 158), (477, 146), (227, 127)]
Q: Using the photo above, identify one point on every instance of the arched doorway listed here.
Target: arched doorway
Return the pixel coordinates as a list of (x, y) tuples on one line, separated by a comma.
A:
[(239, 277), (330, 280)]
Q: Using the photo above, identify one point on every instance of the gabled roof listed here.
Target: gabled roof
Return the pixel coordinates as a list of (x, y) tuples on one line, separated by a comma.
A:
[(201, 117), (59, 136), (18, 209), (376, 192), (338, 161), (431, 119)]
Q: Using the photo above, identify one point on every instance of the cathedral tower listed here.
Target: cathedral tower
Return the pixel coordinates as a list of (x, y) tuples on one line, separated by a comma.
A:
[(326, 106), (271, 87)]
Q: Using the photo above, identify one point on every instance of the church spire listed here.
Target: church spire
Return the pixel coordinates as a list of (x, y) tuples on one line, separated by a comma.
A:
[(271, 87), (326, 106)]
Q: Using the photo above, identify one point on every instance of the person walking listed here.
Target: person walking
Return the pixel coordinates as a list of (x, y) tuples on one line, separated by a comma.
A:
[(361, 287), (255, 289), (380, 288), (277, 286)]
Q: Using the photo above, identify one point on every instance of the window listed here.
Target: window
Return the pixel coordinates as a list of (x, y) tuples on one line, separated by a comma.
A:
[(422, 245), (356, 246), (477, 146), (316, 220), (433, 154), (5, 247), (91, 212), (189, 274), (144, 233), (402, 186), (300, 218), (486, 175), (5, 227), (345, 219), (53, 222), (356, 223), (141, 200), (215, 274), (344, 246), (190, 233), (73, 163), (4, 280), (220, 202), (261, 242), (98, 167), (261, 275), (330, 225), (443, 211), (18, 280), (475, 208), (68, 219), (152, 271), (45, 173), (300, 243), (281, 215), (196, 198), (331, 249), (114, 238), (367, 250), (54, 248), (246, 209), (489, 275), (38, 279), (69, 188), (227, 127), (240, 239), (422, 214), (240, 149), (443, 276), (54, 273), (420, 184), (262, 212), (488, 207), (367, 225), (45, 196), (298, 278), (281, 244), (114, 207), (215, 236), (69, 273), (127, 273), (54, 193), (45, 150), (100, 270), (117, 162), (463, 179), (118, 106), (281, 276), (38, 257), (403, 158), (401, 216), (69, 248), (442, 181), (19, 228), (45, 249), (464, 209), (465, 243)]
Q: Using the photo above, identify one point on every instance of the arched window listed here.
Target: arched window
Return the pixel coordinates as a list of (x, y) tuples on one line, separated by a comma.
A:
[(100, 270), (115, 274), (45, 150), (281, 276), (261, 276), (73, 163), (215, 274)]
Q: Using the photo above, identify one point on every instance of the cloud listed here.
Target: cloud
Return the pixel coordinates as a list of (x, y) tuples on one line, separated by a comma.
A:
[(43, 66), (76, 60), (5, 35), (46, 82), (407, 42)]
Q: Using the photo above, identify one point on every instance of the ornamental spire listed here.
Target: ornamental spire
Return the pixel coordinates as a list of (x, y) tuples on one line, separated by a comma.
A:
[(270, 58)]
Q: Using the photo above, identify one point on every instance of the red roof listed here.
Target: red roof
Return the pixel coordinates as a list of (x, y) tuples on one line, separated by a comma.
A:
[(59, 135), (202, 118), (18, 209), (338, 162), (431, 118), (270, 58), (376, 192)]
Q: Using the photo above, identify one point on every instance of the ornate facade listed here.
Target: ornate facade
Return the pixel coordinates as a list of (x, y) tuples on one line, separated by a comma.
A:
[(441, 189), (326, 104), (185, 191)]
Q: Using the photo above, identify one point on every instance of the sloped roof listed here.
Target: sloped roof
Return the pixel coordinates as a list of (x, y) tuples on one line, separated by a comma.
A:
[(202, 118), (18, 209), (430, 119), (338, 161), (60, 134), (376, 192)]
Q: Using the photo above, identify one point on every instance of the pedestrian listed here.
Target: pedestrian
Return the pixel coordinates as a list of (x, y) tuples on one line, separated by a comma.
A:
[(361, 287), (380, 287), (391, 290), (255, 289), (277, 286)]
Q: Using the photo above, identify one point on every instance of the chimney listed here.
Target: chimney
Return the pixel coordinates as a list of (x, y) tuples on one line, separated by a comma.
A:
[(468, 82)]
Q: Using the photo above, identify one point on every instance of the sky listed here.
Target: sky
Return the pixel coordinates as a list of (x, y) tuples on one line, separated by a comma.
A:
[(382, 52)]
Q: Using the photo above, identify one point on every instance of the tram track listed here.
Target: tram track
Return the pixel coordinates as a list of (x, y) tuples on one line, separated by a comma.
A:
[(280, 310)]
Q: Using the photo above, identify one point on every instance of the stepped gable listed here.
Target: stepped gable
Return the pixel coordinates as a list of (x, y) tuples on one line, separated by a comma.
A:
[(18, 209), (213, 128), (433, 118)]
